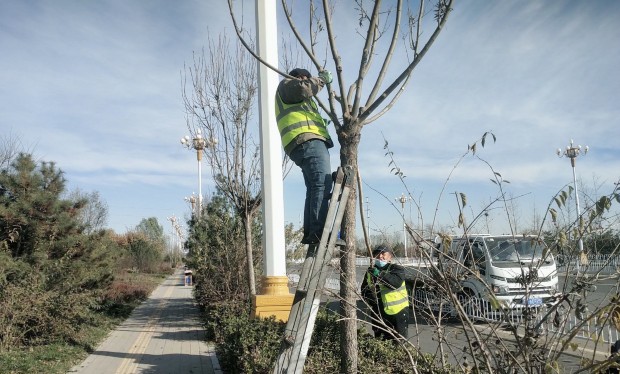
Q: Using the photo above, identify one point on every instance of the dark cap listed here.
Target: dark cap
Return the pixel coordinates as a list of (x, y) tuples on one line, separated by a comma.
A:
[(381, 249), (298, 72)]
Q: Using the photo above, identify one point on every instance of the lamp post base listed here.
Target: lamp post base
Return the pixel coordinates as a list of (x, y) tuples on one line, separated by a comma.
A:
[(275, 300)]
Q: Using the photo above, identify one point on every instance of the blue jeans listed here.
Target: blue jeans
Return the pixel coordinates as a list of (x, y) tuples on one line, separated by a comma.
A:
[(313, 159)]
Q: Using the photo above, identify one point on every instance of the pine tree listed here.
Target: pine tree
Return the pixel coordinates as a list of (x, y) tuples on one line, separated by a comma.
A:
[(50, 271)]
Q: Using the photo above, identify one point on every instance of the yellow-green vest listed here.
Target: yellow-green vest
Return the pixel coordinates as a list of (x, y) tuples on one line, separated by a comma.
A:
[(299, 118), (394, 300)]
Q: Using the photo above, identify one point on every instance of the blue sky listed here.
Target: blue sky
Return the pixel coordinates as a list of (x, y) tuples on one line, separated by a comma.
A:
[(96, 87)]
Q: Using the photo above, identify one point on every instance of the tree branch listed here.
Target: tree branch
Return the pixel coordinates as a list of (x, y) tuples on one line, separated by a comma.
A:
[(414, 63)]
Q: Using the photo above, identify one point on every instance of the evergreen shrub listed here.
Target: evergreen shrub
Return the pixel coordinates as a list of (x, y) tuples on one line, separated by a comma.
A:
[(246, 345)]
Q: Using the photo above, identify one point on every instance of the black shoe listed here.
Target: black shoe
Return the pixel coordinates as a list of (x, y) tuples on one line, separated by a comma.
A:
[(311, 239)]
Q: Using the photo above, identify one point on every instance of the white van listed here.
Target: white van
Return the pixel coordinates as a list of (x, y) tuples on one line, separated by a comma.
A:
[(503, 271)]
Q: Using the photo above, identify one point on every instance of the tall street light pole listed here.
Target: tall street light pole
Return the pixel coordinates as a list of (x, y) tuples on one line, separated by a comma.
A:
[(572, 152), (403, 199), (177, 239), (199, 144), (275, 298), (173, 238)]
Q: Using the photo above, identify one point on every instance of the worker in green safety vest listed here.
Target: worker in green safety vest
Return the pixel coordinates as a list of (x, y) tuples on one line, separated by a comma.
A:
[(384, 290), (306, 141)]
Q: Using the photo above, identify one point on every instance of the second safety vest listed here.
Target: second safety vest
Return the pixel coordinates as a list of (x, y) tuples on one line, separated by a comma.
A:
[(298, 118), (393, 300)]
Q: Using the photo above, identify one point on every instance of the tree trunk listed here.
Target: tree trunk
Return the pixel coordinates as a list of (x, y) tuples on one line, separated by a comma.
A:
[(348, 291), (249, 255)]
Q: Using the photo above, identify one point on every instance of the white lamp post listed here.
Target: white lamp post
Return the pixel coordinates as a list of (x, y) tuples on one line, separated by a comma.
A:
[(173, 237), (177, 239), (403, 199), (199, 144), (192, 201), (572, 152)]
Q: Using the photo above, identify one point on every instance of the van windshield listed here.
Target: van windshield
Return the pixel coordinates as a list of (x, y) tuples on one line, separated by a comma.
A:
[(510, 249)]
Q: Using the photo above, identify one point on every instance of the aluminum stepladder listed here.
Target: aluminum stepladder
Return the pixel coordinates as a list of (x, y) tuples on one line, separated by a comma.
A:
[(298, 332)]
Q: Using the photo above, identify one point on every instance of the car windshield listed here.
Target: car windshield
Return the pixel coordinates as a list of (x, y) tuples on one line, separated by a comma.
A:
[(510, 249)]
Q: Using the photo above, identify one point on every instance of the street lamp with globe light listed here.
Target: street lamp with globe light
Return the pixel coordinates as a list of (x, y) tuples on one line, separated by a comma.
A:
[(192, 201), (403, 199), (199, 144), (572, 152)]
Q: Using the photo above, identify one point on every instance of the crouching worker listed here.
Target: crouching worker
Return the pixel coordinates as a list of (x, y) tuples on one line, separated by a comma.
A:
[(384, 290)]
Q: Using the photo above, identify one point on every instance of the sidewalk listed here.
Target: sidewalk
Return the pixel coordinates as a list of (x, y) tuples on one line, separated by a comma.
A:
[(162, 335)]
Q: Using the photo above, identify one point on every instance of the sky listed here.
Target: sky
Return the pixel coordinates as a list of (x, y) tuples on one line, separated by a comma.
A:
[(97, 88)]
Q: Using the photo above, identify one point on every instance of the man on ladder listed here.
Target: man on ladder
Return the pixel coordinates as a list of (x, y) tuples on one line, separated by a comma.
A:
[(306, 141)]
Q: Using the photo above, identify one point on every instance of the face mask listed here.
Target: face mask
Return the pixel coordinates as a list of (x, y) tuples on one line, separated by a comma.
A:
[(380, 263)]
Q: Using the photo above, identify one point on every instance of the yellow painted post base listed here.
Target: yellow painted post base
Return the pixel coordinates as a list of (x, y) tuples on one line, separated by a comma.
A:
[(275, 300)]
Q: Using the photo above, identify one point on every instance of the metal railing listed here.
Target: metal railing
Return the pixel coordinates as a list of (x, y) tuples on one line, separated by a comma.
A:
[(594, 263), (477, 309)]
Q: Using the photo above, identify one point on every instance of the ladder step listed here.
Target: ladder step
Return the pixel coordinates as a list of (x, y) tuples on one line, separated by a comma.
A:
[(289, 340)]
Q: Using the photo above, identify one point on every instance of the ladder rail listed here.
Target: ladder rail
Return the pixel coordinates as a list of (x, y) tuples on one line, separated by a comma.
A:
[(300, 325), (302, 341), (314, 253), (303, 288)]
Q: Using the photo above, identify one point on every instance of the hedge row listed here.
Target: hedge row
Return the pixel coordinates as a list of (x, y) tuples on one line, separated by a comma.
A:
[(246, 345)]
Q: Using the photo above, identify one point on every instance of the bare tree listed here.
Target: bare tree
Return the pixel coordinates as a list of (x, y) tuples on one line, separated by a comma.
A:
[(219, 100), (10, 147), (94, 215), (352, 105)]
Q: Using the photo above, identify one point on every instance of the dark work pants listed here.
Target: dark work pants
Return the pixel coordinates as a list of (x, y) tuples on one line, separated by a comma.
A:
[(313, 159), (398, 322)]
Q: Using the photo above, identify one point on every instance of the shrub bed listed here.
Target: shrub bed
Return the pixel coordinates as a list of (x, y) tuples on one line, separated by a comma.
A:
[(65, 331), (246, 345), (125, 293)]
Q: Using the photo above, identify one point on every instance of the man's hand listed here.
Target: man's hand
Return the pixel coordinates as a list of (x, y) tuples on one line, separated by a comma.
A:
[(375, 272), (326, 76)]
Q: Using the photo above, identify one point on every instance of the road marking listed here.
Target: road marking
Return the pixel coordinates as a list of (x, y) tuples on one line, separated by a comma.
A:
[(130, 363)]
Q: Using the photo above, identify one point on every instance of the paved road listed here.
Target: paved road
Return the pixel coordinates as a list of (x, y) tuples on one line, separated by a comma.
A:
[(422, 333), (162, 335)]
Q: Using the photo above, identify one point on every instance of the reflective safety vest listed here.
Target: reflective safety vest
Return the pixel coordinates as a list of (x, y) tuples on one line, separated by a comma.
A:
[(298, 118), (393, 300)]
